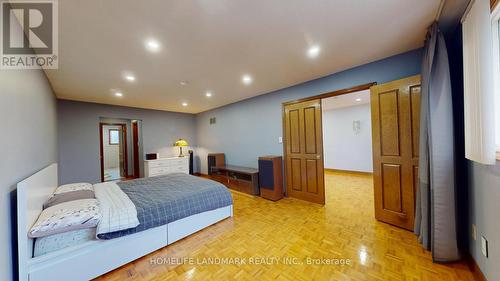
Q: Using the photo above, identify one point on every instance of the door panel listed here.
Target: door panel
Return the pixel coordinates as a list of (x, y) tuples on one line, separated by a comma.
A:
[(391, 181), (296, 174), (312, 172), (395, 132), (389, 123), (304, 151), (310, 129), (294, 131)]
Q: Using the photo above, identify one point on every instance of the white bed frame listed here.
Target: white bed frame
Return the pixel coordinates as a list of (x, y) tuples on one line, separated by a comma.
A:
[(94, 258)]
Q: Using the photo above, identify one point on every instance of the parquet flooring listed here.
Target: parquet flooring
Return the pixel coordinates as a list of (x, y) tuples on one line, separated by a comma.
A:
[(283, 235)]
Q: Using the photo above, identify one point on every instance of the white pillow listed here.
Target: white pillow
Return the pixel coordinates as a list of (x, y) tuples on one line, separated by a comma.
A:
[(68, 216), (74, 187)]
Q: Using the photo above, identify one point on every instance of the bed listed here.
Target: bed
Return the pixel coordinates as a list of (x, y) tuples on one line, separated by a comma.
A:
[(185, 210)]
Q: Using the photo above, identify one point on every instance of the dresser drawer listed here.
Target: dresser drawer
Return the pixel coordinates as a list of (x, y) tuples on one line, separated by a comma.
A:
[(157, 171), (179, 169), (179, 162), (158, 163)]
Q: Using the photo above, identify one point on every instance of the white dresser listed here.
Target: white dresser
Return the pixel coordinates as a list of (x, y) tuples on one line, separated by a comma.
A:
[(163, 166)]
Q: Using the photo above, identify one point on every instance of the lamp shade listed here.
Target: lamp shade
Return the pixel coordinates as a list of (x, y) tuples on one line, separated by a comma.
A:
[(181, 142)]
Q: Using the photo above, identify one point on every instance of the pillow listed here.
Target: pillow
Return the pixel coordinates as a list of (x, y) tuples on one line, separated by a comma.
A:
[(68, 196), (74, 187), (68, 216)]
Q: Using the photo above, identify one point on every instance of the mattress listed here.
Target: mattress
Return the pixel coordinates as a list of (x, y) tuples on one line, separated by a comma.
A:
[(52, 243), (164, 199)]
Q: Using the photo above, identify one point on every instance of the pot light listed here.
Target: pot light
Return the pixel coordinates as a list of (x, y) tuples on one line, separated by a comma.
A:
[(184, 83), (246, 79), (358, 99), (119, 94), (130, 78), (184, 104), (152, 45), (208, 94), (313, 51)]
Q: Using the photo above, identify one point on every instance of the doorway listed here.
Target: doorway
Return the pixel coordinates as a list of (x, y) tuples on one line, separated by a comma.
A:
[(394, 117), (120, 149)]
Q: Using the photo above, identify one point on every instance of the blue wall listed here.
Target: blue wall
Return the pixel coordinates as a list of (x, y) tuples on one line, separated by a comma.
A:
[(484, 200), (248, 129), (478, 186)]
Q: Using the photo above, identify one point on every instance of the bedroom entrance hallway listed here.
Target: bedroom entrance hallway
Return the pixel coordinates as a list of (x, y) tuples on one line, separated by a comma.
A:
[(293, 230), (120, 146)]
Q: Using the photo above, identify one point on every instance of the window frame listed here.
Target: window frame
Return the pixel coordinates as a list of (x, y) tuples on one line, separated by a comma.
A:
[(110, 139)]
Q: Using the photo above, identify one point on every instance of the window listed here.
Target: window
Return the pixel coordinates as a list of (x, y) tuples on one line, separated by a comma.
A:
[(479, 83), (496, 61), (114, 136)]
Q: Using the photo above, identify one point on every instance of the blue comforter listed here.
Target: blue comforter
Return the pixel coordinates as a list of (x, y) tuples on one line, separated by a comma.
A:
[(164, 199)]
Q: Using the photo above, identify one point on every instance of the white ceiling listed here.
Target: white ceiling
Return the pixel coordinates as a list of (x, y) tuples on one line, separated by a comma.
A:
[(346, 100), (213, 43)]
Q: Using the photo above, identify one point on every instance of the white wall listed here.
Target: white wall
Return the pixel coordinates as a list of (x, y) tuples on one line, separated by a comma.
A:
[(343, 148), (28, 144)]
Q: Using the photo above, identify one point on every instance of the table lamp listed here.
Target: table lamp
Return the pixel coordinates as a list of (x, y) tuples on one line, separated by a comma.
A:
[(180, 143)]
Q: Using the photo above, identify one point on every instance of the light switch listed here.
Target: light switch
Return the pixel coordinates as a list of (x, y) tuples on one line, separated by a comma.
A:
[(474, 232), (484, 246), (280, 139)]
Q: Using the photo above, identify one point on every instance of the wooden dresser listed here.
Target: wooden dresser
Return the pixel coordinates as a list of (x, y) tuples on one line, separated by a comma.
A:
[(163, 166), (238, 178)]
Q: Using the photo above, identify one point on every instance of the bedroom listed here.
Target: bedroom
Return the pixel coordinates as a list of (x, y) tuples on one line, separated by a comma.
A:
[(209, 73)]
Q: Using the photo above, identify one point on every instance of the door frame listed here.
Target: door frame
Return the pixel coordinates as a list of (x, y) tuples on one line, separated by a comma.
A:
[(358, 88), (125, 148), (135, 149)]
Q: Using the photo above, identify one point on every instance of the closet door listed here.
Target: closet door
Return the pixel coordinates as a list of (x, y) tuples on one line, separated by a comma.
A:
[(395, 109)]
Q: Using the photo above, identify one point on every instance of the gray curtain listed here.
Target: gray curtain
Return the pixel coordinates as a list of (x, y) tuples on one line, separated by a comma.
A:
[(435, 216)]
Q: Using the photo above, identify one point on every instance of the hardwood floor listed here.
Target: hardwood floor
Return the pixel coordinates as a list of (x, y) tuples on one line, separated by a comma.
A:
[(293, 231)]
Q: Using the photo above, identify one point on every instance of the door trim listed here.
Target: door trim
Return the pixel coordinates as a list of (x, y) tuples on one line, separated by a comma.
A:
[(101, 146), (135, 150), (358, 88)]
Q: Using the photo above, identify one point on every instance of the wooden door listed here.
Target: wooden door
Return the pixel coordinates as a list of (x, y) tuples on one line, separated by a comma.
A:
[(304, 151), (395, 109)]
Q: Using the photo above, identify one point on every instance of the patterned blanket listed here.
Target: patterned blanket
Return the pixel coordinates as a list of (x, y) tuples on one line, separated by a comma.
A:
[(164, 199)]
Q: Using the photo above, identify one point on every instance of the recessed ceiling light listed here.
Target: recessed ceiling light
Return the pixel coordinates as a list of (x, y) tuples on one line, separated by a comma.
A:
[(313, 51), (184, 83), (358, 99), (130, 78), (247, 79), (119, 94), (152, 45), (208, 94), (184, 104)]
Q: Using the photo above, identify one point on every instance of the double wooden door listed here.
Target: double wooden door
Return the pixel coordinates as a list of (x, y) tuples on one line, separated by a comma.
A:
[(395, 110), (304, 151)]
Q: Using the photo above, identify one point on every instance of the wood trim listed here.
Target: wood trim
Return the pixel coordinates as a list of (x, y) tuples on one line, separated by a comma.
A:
[(321, 96), (334, 93), (474, 268), (348, 171), (493, 4), (101, 146), (125, 151), (135, 149)]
